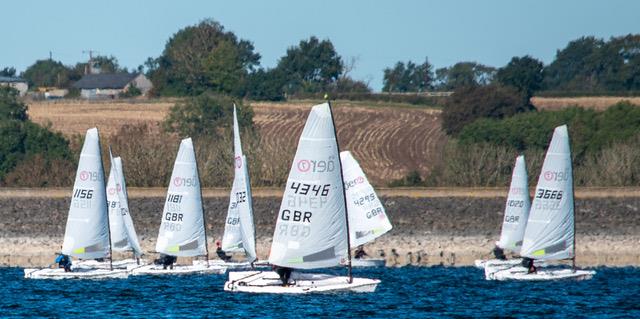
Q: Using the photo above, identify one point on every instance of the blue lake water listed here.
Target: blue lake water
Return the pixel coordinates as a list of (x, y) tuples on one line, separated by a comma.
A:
[(417, 292)]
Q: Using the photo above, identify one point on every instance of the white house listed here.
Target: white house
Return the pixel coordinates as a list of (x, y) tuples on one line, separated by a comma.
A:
[(95, 86), (17, 83)]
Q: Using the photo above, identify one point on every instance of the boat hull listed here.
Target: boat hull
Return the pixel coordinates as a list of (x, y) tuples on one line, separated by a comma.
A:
[(117, 264), (157, 270), (244, 265), (83, 273), (368, 262), (520, 273), (301, 283), (482, 263)]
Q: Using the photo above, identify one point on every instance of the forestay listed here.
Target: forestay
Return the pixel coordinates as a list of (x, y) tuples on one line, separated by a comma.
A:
[(87, 230), (516, 210), (182, 230), (367, 217), (550, 227), (311, 227), (123, 205), (239, 231)]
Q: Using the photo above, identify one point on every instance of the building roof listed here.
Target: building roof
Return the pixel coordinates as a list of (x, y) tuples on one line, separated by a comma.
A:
[(105, 81), (11, 79)]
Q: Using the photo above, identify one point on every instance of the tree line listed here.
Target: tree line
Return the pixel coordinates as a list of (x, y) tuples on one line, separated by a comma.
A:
[(207, 58)]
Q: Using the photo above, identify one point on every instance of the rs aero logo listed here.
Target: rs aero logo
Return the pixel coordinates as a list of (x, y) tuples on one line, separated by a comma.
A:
[(88, 176), (316, 166), (238, 161), (556, 176), (354, 182), (186, 182)]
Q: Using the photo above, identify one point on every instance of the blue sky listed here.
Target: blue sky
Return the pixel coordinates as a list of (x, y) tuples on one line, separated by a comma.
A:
[(376, 33)]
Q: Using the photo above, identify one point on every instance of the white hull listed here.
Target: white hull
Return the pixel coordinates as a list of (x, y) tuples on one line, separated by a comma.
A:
[(520, 273), (117, 264), (300, 283), (368, 262), (157, 270), (59, 273), (482, 263), (244, 265)]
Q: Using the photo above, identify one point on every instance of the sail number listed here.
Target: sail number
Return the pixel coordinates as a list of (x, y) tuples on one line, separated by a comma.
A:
[(511, 219), (83, 193), (374, 212), (515, 203), (549, 194), (308, 189), (365, 199), (296, 216), (241, 197)]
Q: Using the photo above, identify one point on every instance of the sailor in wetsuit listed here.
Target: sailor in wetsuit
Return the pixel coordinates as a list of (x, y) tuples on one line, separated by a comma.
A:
[(221, 254), (360, 253), (64, 261), (499, 253), (166, 261), (284, 273), (528, 263)]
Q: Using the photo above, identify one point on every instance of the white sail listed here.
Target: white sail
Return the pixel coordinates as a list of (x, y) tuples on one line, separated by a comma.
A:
[(516, 210), (182, 231), (239, 231), (123, 201), (367, 217), (87, 230), (119, 237), (550, 227), (311, 229)]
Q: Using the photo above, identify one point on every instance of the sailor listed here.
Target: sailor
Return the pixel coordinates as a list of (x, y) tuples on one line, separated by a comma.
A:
[(528, 263), (499, 253), (221, 254), (166, 261), (360, 253), (284, 273), (64, 261)]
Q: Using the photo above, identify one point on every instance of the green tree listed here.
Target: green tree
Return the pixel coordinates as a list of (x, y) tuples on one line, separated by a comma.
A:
[(8, 71), (200, 58), (311, 66), (525, 74), (409, 77), (266, 85), (464, 74), (470, 103), (206, 115), (10, 106), (47, 73), (575, 66)]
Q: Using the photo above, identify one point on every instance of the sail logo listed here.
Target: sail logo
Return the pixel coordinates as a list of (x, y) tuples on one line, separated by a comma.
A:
[(517, 191), (319, 166), (354, 182), (186, 182), (89, 175), (238, 161), (556, 176), (112, 191)]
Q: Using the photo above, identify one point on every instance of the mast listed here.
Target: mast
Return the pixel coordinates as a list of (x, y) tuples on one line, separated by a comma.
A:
[(573, 191), (344, 195), (107, 203), (204, 219)]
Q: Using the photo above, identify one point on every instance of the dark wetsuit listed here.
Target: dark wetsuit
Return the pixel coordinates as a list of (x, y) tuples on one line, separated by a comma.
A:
[(528, 263), (360, 253), (166, 261), (222, 255), (64, 262), (499, 253), (284, 273)]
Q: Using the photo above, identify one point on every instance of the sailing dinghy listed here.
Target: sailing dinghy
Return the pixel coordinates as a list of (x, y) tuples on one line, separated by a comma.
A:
[(123, 233), (514, 223), (239, 230), (550, 231), (182, 231), (87, 230), (367, 217), (312, 227)]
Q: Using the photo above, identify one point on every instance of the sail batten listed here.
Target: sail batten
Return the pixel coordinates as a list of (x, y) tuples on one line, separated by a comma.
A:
[(311, 228), (549, 234), (182, 231), (87, 229), (517, 209)]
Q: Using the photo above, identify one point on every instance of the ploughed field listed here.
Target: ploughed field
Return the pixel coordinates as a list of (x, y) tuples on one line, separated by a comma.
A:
[(388, 141)]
